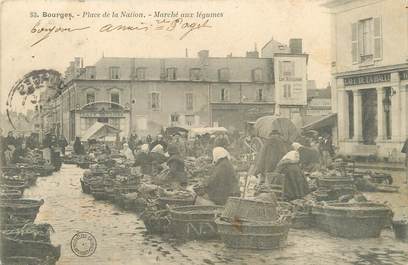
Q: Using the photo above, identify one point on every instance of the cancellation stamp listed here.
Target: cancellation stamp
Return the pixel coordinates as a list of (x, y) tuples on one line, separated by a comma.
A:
[(83, 244)]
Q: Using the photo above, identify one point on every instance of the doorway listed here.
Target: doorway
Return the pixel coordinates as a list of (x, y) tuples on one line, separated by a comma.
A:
[(369, 119)]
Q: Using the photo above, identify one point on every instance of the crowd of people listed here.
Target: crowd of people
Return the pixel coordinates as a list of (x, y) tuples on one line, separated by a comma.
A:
[(276, 163)]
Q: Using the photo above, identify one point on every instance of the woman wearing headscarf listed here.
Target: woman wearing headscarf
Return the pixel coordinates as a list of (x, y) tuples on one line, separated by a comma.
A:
[(223, 183), (294, 182), (143, 160), (78, 147), (127, 152)]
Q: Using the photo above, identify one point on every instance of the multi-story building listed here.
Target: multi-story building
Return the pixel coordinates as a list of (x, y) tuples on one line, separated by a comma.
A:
[(370, 75), (143, 95)]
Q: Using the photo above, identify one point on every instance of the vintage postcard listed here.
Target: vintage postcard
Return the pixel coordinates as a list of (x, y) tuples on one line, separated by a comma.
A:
[(203, 132)]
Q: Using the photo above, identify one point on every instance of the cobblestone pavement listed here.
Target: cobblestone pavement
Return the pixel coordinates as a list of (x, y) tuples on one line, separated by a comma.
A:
[(121, 237)]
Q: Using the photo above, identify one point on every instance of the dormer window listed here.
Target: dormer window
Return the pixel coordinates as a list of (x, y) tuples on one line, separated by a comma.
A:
[(114, 72), (171, 73)]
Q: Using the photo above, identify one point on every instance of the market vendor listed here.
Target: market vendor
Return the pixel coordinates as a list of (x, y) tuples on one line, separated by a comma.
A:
[(292, 179), (127, 152), (269, 156), (176, 166), (158, 157), (223, 183), (159, 141), (78, 147), (143, 160)]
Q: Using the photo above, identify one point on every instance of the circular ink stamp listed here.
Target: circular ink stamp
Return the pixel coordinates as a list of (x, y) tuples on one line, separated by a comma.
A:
[(83, 244)]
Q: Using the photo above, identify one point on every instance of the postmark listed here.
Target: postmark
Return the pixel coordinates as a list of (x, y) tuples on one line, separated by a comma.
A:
[(83, 244)]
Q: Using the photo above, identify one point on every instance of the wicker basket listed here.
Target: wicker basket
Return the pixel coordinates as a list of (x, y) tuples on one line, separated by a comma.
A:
[(253, 235), (175, 202), (400, 230), (335, 181), (16, 213), (250, 210), (157, 222), (359, 220), (194, 222)]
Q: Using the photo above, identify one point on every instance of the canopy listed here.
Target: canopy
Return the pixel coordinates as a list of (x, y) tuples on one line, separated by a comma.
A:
[(210, 130), (99, 130), (175, 130), (326, 121), (265, 125)]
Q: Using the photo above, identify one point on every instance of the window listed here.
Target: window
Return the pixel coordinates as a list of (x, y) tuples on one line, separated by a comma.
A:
[(287, 69), (287, 91), (103, 119), (366, 40), (171, 73), (114, 72), (190, 120), (189, 101), (115, 98), (351, 114), (115, 122), (257, 75), (91, 72), (141, 73), (195, 74), (155, 101), (174, 118), (223, 74), (259, 95), (224, 94), (90, 97)]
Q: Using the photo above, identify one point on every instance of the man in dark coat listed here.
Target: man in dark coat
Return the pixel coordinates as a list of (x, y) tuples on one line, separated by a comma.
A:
[(269, 156), (223, 183)]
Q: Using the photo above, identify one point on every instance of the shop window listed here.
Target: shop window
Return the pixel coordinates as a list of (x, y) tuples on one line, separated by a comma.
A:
[(189, 101), (257, 75), (224, 74), (90, 97), (287, 91), (103, 119), (171, 73), (89, 122), (195, 74), (114, 72)]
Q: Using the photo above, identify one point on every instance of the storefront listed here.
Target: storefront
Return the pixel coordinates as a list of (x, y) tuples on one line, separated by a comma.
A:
[(373, 113), (110, 113)]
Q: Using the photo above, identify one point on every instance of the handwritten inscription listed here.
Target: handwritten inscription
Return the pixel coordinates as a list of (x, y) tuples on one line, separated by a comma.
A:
[(185, 26)]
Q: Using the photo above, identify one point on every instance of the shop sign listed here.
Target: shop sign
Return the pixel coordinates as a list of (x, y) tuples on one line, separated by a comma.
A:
[(404, 75), (367, 79), (108, 114)]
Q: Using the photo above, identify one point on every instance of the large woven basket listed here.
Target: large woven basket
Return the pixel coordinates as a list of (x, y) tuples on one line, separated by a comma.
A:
[(249, 210), (253, 235), (348, 220), (194, 222)]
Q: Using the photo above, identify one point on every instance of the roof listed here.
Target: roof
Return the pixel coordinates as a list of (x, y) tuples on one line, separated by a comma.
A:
[(327, 121), (99, 129)]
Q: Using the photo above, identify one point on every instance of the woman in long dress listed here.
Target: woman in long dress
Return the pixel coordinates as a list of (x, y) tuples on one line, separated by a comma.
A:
[(294, 182)]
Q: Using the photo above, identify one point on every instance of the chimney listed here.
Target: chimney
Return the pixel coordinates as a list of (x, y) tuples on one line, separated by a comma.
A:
[(295, 46), (252, 54), (203, 54)]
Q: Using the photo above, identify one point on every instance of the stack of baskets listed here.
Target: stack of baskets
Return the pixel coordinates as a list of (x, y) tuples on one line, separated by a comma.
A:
[(253, 224)]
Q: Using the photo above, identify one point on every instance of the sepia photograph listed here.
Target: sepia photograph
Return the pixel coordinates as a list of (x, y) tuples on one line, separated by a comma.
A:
[(203, 132)]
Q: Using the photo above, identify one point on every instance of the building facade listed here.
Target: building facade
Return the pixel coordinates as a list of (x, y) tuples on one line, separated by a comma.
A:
[(144, 95), (370, 75)]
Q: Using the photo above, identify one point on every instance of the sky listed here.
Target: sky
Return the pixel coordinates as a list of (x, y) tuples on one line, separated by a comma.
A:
[(243, 23)]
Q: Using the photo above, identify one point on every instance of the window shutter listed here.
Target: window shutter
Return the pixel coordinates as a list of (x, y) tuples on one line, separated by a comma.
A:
[(226, 94), (377, 38), (159, 101), (292, 69), (149, 101), (354, 42)]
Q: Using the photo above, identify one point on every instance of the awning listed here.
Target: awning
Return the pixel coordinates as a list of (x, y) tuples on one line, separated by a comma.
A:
[(99, 130), (327, 121)]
